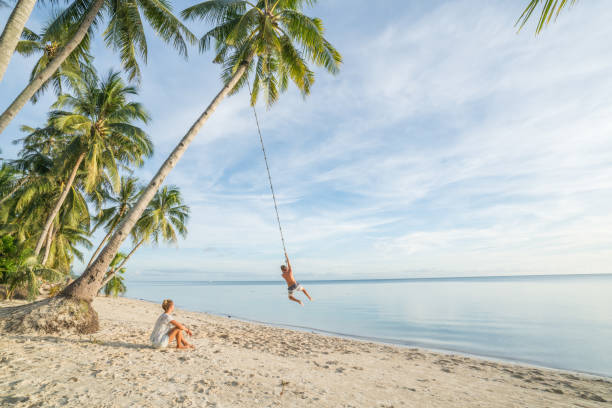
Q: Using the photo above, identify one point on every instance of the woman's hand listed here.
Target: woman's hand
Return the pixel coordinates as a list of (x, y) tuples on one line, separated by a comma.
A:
[(188, 331)]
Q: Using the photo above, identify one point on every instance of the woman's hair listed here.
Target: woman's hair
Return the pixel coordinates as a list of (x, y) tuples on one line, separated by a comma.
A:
[(283, 267), (166, 304)]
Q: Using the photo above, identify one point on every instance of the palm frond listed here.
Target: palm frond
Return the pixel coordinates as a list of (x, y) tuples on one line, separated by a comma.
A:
[(550, 9)]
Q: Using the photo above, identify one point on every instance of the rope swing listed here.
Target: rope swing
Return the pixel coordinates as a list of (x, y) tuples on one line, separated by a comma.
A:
[(263, 149)]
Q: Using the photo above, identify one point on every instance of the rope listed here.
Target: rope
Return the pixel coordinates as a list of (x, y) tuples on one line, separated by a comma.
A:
[(263, 149)]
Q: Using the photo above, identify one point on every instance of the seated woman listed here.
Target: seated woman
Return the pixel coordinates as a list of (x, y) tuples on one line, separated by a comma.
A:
[(167, 329)]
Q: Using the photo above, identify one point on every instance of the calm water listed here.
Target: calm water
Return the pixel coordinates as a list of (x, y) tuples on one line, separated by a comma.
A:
[(554, 321)]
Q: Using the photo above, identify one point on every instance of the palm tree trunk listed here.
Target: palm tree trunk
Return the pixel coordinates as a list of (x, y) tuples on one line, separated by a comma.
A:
[(17, 187), (12, 31), (88, 284), (50, 237), (29, 91), (58, 205), (114, 271), (106, 237)]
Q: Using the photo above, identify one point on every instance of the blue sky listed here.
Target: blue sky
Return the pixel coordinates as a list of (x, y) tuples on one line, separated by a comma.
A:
[(449, 145)]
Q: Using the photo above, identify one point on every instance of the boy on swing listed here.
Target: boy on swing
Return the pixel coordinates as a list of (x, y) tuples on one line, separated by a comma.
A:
[(292, 285)]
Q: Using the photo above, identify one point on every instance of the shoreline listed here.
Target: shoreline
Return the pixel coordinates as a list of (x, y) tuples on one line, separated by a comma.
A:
[(391, 342), (386, 280), (245, 364)]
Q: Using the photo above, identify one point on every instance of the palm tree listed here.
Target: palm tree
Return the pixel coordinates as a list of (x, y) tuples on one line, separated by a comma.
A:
[(22, 215), (35, 158), (34, 185), (114, 284), (70, 71), (9, 252), (10, 35), (165, 216), (270, 39), (28, 275), (100, 119), (9, 182), (550, 8), (120, 203), (68, 233), (124, 32)]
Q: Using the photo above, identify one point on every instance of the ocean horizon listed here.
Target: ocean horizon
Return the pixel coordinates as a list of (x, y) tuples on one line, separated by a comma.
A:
[(554, 321)]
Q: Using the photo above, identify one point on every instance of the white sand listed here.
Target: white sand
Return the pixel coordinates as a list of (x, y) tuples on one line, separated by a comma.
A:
[(240, 364)]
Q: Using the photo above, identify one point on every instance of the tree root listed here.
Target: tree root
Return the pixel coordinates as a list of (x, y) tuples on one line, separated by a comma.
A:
[(49, 316)]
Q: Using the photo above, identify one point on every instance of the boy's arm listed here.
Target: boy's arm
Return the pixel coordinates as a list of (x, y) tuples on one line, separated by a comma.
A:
[(288, 263)]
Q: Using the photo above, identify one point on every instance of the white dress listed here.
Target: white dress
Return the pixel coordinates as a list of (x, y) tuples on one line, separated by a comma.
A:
[(159, 336)]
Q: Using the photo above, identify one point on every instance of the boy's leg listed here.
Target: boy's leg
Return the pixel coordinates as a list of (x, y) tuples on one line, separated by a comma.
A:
[(296, 300), (306, 293)]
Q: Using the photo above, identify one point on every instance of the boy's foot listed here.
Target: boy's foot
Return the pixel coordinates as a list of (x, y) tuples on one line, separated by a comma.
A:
[(301, 303)]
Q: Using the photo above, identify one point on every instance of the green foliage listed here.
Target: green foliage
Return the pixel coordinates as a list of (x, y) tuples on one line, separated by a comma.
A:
[(8, 179), (118, 203), (273, 37), (28, 274), (97, 120), (100, 118), (550, 8), (115, 286), (165, 217), (9, 256), (40, 184), (125, 31), (46, 45)]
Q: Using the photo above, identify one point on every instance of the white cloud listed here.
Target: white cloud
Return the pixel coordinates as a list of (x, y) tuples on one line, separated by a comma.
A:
[(448, 145)]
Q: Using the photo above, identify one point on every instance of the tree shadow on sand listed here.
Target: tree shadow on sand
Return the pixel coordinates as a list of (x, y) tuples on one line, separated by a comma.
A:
[(84, 341)]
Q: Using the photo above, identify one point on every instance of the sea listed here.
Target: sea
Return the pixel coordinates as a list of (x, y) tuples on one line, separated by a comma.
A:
[(556, 321)]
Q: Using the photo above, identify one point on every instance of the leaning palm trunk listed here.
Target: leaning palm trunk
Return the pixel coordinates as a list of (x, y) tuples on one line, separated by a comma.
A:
[(14, 190), (106, 237), (50, 237), (58, 205), (29, 91), (88, 284), (12, 32), (114, 271)]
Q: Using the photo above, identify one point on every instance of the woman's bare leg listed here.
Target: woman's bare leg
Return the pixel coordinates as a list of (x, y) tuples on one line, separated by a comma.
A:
[(180, 340), (187, 345), (177, 334), (172, 334)]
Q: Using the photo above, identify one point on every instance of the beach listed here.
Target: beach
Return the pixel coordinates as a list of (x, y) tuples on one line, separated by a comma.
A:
[(242, 364)]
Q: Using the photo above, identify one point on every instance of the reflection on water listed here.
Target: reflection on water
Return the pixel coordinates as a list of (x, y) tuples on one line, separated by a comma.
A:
[(561, 322)]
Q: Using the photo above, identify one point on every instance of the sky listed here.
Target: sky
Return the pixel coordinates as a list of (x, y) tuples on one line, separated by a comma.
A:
[(448, 145)]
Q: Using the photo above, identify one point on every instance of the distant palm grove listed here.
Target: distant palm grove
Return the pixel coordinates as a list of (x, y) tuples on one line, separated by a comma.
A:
[(73, 177), (74, 174)]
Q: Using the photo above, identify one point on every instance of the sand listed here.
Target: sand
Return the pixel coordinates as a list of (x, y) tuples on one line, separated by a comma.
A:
[(240, 364)]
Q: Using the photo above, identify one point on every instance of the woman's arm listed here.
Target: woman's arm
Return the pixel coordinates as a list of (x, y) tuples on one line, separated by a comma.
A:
[(180, 326)]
